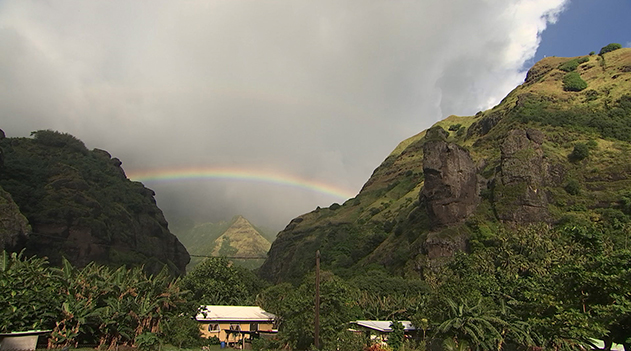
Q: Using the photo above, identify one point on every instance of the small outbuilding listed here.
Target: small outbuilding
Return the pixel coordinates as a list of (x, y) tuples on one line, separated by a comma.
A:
[(379, 330), (235, 325)]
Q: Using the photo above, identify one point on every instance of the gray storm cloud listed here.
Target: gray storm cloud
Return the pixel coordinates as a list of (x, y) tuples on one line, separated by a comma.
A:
[(321, 90)]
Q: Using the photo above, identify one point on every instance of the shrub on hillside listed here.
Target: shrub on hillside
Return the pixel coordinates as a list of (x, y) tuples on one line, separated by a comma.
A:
[(591, 95), (454, 127), (461, 131), (573, 187), (580, 152), (573, 82), (592, 144), (609, 48), (571, 65)]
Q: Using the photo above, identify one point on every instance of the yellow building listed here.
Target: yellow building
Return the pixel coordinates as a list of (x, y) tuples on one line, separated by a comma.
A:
[(235, 324)]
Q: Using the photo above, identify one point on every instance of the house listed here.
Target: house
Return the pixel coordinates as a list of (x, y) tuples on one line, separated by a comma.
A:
[(379, 330), (235, 324)]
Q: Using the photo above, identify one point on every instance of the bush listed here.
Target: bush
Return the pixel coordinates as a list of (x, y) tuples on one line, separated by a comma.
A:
[(454, 127), (573, 82), (147, 341), (591, 95), (573, 187), (571, 65), (29, 296), (592, 144), (609, 48), (580, 152), (461, 131), (182, 331)]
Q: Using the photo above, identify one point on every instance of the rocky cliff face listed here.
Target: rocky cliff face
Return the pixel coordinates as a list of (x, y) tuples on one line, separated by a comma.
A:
[(450, 192), (452, 187), (81, 206), (520, 188)]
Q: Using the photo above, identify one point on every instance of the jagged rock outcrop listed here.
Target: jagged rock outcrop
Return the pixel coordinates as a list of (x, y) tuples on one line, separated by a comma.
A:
[(450, 191), (519, 192)]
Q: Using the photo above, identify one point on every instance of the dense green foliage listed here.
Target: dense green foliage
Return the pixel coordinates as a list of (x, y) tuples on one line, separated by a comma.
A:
[(95, 304), (396, 336), (609, 48), (216, 281), (294, 307), (572, 81), (28, 290), (612, 122), (535, 286)]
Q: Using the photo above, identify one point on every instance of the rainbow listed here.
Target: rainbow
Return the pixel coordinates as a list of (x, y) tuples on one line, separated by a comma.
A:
[(238, 174)]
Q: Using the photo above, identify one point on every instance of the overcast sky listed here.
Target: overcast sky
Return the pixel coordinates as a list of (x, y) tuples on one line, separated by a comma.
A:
[(319, 90)]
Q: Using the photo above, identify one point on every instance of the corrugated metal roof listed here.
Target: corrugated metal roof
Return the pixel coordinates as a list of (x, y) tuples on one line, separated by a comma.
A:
[(384, 326), (233, 314)]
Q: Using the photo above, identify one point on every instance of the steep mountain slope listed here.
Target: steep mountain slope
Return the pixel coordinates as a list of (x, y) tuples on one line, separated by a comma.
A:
[(552, 151), (80, 205), (237, 238)]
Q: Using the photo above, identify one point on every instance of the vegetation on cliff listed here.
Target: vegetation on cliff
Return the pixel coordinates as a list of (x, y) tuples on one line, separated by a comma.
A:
[(81, 206)]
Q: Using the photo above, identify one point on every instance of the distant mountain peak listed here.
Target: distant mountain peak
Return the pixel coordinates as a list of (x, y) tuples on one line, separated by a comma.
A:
[(241, 239), (237, 237)]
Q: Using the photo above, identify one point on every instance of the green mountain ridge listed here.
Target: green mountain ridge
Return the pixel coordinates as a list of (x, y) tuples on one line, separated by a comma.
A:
[(546, 154), (235, 238)]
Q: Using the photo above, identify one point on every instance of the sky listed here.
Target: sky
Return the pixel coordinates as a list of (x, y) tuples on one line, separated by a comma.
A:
[(267, 108)]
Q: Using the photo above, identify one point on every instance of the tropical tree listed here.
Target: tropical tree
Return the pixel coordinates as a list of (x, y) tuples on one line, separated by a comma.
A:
[(396, 336), (295, 309), (28, 293), (216, 281), (472, 323)]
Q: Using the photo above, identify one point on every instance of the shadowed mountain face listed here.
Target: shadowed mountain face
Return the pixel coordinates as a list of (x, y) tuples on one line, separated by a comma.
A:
[(236, 238), (554, 150), (80, 205)]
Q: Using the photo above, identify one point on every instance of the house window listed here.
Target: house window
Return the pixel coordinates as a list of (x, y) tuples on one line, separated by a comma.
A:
[(213, 327), (254, 327), (236, 327)]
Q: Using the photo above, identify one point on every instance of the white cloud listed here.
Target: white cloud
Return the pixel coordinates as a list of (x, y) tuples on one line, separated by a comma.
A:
[(317, 89)]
